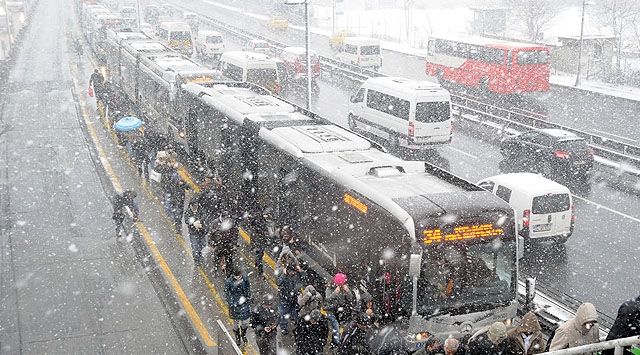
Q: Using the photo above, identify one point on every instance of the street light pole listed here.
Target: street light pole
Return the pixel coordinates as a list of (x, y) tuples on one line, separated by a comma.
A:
[(584, 3), (307, 40), (307, 44)]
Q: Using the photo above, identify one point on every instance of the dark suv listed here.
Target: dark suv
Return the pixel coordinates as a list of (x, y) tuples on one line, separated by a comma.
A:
[(554, 153)]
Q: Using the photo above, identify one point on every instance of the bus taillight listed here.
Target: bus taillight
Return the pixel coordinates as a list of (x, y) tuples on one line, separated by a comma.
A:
[(412, 130)]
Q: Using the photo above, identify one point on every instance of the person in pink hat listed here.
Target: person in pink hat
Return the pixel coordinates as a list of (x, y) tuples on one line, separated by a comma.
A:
[(338, 305)]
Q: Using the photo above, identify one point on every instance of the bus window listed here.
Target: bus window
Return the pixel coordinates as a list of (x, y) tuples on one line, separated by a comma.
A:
[(533, 57)]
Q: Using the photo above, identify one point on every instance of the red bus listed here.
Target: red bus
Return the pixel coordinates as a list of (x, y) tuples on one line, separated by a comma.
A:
[(489, 64)]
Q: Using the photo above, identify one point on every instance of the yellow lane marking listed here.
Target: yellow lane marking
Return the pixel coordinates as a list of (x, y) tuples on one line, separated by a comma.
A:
[(204, 333), (184, 300)]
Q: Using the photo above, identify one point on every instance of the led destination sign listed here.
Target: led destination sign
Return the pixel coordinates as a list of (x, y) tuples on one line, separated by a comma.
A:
[(476, 231)]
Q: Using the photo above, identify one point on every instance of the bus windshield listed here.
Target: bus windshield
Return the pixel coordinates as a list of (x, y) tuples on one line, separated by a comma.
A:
[(461, 279)]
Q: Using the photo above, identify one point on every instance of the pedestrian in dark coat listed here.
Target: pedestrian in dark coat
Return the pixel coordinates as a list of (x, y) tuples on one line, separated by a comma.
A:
[(224, 239), (338, 304), (390, 340), (308, 300), (96, 81), (211, 197), (139, 152), (178, 194), (166, 166), (125, 199), (627, 323), (311, 333), (264, 234), (237, 292), (357, 337), (193, 218), (289, 280), (526, 338), (264, 321), (489, 340)]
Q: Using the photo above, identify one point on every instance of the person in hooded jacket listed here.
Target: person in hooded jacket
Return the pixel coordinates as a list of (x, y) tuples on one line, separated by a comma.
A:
[(489, 340), (579, 330), (264, 321), (627, 323), (357, 337), (237, 292), (311, 333), (526, 338), (367, 306), (308, 300)]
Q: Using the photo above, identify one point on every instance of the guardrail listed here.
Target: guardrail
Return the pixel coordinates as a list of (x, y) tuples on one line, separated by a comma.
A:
[(508, 121)]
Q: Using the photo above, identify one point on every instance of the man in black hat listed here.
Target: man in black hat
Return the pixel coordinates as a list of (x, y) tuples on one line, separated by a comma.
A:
[(264, 320), (357, 336), (311, 333)]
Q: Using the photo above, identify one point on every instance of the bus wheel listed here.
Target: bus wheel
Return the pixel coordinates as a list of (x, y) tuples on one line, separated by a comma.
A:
[(352, 123)]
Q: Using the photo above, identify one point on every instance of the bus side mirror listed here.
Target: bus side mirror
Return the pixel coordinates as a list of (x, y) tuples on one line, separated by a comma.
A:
[(415, 261)]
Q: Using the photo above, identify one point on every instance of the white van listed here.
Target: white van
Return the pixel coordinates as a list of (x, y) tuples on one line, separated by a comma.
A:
[(251, 67), (361, 51), (177, 36), (404, 112), (209, 44), (543, 207)]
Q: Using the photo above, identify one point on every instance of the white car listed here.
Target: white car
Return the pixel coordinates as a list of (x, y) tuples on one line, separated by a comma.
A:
[(147, 29)]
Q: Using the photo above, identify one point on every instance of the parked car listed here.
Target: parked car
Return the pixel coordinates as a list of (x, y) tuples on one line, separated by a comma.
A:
[(336, 39), (258, 46), (554, 153), (278, 23), (147, 29)]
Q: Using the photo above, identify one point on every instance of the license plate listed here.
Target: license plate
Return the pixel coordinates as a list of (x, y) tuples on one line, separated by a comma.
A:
[(581, 162), (542, 228)]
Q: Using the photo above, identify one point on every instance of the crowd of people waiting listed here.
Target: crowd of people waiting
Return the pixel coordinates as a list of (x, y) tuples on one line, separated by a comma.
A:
[(343, 317)]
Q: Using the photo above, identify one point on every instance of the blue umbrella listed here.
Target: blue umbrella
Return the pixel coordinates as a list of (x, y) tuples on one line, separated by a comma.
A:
[(128, 124)]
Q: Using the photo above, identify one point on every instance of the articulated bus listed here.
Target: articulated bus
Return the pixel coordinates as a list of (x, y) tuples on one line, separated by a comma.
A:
[(427, 245), (489, 64), (150, 74)]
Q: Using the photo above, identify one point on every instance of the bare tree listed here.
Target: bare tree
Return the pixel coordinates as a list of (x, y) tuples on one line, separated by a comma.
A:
[(536, 14), (618, 15)]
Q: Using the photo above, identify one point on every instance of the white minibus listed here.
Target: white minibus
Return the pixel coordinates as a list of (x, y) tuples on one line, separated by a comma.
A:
[(404, 112), (177, 36), (361, 51), (544, 208), (251, 67)]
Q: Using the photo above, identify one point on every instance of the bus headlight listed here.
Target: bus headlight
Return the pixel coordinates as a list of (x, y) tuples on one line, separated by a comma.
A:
[(420, 337)]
